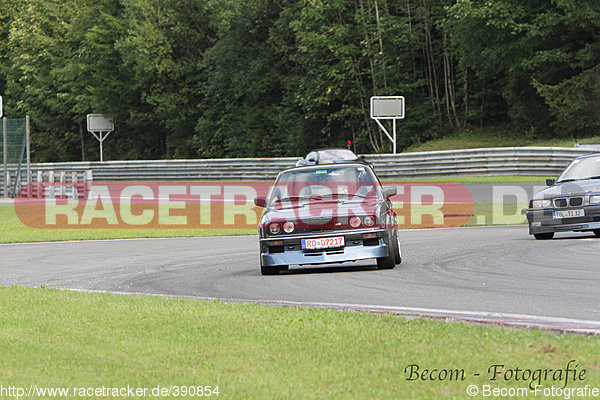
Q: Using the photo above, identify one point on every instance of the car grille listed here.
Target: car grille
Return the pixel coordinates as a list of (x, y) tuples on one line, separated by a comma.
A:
[(563, 202), (321, 224), (575, 201), (560, 203)]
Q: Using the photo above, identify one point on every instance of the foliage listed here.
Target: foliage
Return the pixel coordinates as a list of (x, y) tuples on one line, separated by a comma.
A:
[(539, 57), (258, 78)]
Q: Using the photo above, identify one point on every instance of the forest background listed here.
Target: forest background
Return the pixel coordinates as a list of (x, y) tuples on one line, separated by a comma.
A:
[(268, 78)]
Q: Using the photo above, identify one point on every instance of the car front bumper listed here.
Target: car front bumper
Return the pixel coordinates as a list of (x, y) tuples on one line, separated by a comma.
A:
[(541, 220), (356, 248)]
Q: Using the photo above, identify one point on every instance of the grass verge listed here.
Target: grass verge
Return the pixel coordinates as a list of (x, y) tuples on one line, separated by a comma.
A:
[(489, 138), (488, 214), (12, 230), (54, 338)]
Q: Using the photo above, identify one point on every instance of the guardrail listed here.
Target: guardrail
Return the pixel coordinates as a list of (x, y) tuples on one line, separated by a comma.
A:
[(532, 161), (537, 161)]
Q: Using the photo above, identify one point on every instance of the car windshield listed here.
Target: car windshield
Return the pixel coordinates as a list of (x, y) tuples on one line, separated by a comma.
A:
[(582, 168), (321, 183)]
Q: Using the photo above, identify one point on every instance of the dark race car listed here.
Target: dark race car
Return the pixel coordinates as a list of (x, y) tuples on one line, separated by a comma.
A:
[(327, 214), (571, 203)]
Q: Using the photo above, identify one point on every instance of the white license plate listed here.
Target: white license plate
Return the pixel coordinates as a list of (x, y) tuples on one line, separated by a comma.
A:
[(323, 243), (568, 214)]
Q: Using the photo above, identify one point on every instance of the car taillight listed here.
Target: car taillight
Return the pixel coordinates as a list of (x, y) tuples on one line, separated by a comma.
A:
[(275, 228), (354, 222)]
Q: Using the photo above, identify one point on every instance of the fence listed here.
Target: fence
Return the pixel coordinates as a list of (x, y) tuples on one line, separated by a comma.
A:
[(14, 151), (537, 161), (51, 184)]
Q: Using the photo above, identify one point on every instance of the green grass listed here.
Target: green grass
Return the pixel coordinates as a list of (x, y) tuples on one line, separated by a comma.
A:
[(487, 214), (474, 139), (12, 230), (54, 338)]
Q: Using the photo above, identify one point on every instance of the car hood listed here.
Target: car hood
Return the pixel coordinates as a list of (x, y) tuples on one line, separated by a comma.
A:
[(327, 208), (577, 188)]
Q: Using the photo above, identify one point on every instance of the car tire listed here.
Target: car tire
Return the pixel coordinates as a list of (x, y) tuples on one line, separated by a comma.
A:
[(397, 248), (389, 261), (268, 270), (543, 236), (596, 232)]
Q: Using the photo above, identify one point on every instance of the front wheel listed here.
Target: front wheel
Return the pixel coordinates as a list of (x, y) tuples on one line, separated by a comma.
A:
[(272, 270), (389, 261), (596, 232), (397, 248), (543, 236), (268, 270)]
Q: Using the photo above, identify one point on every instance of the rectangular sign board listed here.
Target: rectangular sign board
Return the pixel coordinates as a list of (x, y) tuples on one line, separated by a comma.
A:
[(99, 123), (387, 107)]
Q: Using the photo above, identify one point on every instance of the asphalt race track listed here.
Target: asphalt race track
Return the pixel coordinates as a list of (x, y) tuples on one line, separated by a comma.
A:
[(496, 272)]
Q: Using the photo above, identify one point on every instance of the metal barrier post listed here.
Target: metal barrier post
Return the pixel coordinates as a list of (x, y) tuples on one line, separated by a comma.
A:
[(28, 139), (40, 184), (50, 190), (4, 152), (88, 177), (63, 182), (74, 193)]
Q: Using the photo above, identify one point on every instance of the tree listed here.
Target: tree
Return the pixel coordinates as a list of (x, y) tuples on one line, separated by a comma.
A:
[(573, 96), (539, 57), (246, 108), (53, 71), (163, 49)]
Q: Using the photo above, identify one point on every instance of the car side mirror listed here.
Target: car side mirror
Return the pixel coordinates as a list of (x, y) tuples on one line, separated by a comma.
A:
[(260, 201), (550, 182), (390, 191)]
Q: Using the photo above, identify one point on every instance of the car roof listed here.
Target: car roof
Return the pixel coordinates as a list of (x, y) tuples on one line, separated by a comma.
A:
[(588, 156), (334, 150), (330, 148), (348, 163)]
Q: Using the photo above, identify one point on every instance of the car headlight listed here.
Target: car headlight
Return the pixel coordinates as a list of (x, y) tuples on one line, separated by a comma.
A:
[(369, 221), (354, 221), (289, 227), (275, 228), (594, 199), (541, 203)]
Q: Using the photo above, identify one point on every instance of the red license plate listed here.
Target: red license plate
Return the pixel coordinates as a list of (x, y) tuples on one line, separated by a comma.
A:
[(323, 243)]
